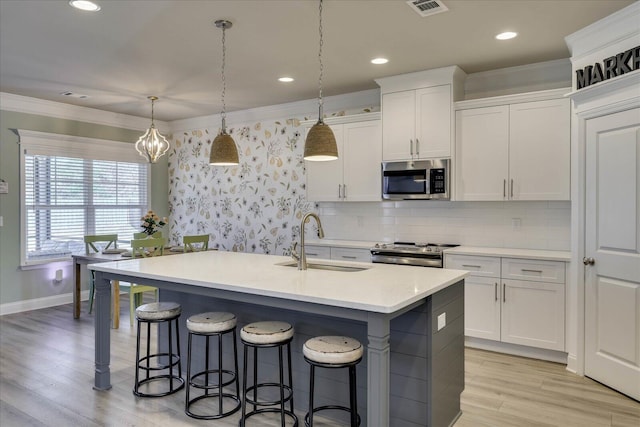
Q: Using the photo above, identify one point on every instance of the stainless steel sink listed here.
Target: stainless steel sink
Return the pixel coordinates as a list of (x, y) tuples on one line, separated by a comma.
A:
[(321, 266)]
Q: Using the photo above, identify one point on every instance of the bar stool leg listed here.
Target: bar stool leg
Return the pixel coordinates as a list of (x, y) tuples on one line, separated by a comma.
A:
[(353, 389), (220, 373), (290, 376), (244, 386), (255, 376), (312, 375), (281, 372), (186, 401)]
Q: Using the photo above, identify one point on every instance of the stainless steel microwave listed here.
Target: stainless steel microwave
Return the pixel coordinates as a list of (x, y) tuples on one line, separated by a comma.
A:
[(416, 180)]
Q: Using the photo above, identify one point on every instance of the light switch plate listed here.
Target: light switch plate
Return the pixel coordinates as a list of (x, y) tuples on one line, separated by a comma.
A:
[(442, 320)]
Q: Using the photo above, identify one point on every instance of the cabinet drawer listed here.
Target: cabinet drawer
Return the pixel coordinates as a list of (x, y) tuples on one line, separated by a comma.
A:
[(350, 254), (318, 251), (535, 270), (477, 265)]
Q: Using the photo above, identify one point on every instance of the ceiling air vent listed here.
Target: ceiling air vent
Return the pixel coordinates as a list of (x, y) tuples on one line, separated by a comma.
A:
[(427, 7)]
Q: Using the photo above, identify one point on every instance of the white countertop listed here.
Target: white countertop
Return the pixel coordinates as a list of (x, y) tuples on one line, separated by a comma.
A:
[(511, 253), (381, 288), (355, 244)]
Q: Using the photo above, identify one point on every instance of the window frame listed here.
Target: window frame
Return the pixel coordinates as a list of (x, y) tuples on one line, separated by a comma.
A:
[(51, 144)]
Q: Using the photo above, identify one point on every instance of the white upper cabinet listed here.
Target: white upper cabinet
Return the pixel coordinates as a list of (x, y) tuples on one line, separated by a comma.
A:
[(514, 151), (417, 123), (417, 113), (355, 175)]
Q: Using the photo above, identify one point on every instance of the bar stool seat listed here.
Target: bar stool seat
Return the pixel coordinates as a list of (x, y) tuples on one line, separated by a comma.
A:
[(158, 312), (207, 325), (333, 352), (259, 335)]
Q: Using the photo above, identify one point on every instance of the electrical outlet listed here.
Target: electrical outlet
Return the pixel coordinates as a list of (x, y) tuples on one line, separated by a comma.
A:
[(442, 320)]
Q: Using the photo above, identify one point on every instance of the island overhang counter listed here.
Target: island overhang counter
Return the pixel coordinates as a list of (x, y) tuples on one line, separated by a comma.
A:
[(373, 296)]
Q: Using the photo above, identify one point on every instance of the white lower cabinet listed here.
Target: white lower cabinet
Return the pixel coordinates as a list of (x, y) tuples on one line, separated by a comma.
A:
[(338, 253), (513, 300)]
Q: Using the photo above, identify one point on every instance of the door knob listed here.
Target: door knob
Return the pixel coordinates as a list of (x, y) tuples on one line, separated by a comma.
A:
[(588, 261)]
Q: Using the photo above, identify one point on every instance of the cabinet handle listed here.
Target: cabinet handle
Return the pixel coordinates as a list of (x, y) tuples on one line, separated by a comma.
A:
[(411, 147), (504, 188), (472, 266), (312, 254), (531, 271), (348, 257), (344, 191), (495, 291), (511, 189), (417, 147), (339, 191), (504, 293)]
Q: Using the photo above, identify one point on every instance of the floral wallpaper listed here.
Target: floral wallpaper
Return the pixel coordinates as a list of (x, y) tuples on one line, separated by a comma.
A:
[(253, 207)]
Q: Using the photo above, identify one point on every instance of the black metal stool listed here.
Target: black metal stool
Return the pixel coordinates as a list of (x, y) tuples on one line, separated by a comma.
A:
[(158, 312), (333, 352), (267, 335), (207, 325)]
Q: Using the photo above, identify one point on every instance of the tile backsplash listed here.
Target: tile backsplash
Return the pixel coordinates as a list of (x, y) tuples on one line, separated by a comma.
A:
[(512, 224)]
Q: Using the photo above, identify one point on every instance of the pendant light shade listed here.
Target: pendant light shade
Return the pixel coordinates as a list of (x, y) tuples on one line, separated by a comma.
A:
[(320, 144), (224, 151), (152, 145)]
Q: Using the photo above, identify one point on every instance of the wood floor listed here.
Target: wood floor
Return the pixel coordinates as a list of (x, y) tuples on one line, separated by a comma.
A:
[(46, 377)]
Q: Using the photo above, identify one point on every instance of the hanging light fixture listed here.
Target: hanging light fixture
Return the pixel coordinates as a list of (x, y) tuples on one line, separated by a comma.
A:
[(152, 145), (321, 143), (223, 150)]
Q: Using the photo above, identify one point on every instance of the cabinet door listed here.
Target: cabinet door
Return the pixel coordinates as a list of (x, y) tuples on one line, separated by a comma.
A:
[(398, 125), (324, 179), (482, 153), (539, 163), (482, 307), (433, 122), (533, 314), (362, 161)]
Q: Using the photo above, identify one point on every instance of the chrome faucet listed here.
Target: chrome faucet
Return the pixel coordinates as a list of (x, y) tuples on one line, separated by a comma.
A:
[(302, 258)]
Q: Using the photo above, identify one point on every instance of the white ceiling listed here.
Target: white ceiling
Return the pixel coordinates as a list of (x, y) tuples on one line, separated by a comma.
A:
[(171, 49)]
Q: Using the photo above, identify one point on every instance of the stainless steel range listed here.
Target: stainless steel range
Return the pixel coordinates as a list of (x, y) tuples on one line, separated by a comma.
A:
[(408, 253)]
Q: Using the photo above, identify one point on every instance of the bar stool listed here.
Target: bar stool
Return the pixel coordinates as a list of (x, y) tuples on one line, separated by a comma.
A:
[(207, 325), (333, 352), (261, 335), (158, 312)]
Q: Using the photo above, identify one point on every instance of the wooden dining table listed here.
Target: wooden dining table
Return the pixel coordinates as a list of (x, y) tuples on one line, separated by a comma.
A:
[(86, 259)]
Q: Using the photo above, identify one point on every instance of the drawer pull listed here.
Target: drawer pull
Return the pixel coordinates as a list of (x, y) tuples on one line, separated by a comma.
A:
[(312, 254), (348, 257), (495, 290), (504, 293), (531, 271), (471, 266)]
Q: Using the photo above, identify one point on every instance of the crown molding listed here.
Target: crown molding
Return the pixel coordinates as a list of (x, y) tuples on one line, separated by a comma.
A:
[(306, 109), (59, 110), (493, 101)]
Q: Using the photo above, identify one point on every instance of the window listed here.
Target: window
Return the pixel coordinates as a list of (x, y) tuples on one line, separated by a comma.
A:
[(95, 187)]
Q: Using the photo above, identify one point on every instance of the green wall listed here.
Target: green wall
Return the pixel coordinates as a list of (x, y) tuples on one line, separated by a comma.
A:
[(18, 284)]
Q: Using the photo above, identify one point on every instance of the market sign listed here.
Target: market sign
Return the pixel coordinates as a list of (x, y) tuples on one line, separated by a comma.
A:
[(614, 66)]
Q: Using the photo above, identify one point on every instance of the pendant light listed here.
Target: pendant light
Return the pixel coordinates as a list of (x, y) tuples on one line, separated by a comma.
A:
[(223, 150), (321, 143), (152, 145)]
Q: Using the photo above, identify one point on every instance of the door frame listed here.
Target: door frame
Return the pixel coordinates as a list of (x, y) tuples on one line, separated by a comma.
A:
[(612, 96)]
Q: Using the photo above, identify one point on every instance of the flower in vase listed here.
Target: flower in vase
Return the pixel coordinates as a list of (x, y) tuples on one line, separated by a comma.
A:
[(151, 223)]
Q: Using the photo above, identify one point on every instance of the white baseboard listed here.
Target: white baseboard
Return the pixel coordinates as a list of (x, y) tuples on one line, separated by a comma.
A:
[(516, 350), (38, 303), (572, 363)]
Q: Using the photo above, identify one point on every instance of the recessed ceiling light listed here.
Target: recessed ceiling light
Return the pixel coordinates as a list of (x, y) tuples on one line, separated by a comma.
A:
[(285, 79), (506, 35), (86, 5), (379, 61)]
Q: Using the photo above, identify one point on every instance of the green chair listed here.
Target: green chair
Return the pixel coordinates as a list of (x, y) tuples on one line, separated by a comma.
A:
[(145, 247), (196, 243), (96, 243)]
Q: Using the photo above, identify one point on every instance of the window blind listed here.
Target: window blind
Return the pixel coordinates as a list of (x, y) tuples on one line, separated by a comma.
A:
[(66, 197)]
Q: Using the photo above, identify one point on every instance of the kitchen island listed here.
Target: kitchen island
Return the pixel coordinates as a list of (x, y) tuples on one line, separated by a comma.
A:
[(426, 303)]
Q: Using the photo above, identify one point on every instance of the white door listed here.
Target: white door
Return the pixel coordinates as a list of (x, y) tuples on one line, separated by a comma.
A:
[(482, 153), (398, 125), (362, 158), (612, 240), (324, 179), (433, 122)]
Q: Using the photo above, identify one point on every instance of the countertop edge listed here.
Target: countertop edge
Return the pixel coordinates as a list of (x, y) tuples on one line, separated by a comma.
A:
[(541, 254)]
